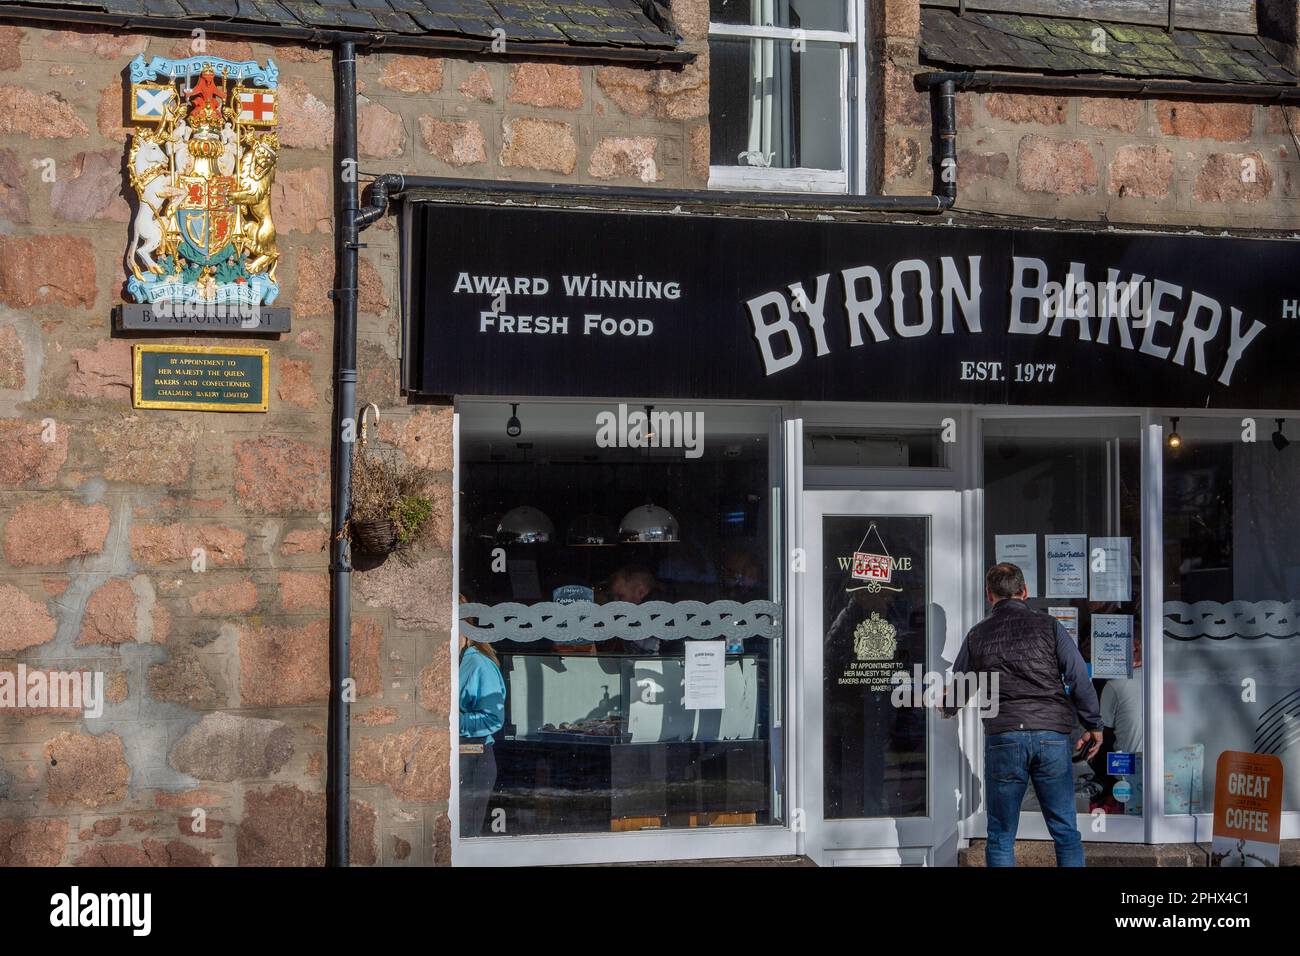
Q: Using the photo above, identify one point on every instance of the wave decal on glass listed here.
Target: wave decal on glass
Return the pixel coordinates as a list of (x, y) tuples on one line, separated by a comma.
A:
[(1245, 619), (592, 623)]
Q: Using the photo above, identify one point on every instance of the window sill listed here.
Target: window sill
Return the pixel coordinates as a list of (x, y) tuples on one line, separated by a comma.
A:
[(642, 846), (778, 180)]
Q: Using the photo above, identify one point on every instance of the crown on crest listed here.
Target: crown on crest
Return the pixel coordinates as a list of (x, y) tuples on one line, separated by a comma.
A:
[(875, 639)]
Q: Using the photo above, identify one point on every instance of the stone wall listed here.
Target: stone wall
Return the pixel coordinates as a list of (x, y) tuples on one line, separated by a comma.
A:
[(1115, 159), (211, 746)]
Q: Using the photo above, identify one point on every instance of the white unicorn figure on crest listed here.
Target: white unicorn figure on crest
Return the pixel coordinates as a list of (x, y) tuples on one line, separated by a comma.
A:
[(150, 172)]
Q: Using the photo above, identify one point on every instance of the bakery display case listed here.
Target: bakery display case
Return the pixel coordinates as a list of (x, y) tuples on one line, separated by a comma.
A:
[(564, 697), (605, 742), (623, 699)]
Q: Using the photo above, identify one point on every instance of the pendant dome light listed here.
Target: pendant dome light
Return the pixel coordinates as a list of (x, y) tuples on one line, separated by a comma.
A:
[(525, 525), (648, 524)]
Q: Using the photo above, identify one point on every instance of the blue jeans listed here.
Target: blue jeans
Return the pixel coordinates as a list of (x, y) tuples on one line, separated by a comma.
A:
[(1011, 761)]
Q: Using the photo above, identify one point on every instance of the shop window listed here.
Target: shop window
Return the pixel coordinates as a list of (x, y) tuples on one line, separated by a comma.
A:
[(781, 109), (1231, 603), (623, 577), (1063, 500)]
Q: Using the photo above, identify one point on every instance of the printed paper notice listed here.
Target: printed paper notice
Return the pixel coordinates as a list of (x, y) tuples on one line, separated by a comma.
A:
[(1022, 551), (1112, 646), (1069, 618), (1067, 565), (1109, 561), (706, 687)]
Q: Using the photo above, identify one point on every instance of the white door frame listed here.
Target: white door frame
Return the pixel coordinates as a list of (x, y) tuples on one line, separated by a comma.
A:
[(929, 840)]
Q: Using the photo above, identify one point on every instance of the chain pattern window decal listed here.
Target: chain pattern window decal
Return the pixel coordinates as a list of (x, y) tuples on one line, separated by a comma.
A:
[(592, 623), (1246, 619)]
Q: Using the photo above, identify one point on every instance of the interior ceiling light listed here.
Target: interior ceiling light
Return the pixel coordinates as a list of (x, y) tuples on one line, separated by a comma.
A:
[(1280, 441), (648, 524), (525, 525), (513, 427), (1175, 439)]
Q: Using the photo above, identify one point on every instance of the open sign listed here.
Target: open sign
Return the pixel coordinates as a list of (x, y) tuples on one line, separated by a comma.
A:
[(872, 567)]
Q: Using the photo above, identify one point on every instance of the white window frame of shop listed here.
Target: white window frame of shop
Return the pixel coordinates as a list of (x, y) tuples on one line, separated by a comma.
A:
[(1183, 828), (1117, 828), (851, 176), (1154, 826), (644, 846)]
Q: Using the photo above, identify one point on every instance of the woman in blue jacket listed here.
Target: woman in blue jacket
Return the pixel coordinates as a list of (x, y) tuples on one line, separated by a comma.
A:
[(482, 714)]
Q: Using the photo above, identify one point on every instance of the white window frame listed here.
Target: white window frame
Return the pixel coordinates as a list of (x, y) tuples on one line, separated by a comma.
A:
[(851, 176), (775, 839), (1117, 828), (1165, 828)]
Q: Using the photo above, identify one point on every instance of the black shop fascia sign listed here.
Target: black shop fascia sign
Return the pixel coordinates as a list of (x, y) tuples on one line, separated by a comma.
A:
[(508, 300)]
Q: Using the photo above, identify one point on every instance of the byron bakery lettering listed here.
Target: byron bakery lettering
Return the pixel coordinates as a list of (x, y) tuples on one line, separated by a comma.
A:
[(698, 306), (1035, 306)]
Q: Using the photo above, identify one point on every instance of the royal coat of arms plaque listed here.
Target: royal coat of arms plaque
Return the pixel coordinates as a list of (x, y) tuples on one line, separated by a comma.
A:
[(203, 252)]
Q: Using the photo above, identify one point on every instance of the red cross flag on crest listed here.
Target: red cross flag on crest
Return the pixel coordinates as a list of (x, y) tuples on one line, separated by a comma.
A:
[(257, 107)]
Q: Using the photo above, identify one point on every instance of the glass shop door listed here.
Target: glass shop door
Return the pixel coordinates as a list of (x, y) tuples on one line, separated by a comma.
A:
[(881, 595)]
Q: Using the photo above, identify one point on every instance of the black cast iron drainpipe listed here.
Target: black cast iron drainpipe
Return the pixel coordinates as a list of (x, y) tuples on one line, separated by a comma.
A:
[(944, 85), (338, 771)]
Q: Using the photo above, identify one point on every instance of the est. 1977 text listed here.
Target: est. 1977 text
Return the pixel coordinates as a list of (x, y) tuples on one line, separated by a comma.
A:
[(999, 371)]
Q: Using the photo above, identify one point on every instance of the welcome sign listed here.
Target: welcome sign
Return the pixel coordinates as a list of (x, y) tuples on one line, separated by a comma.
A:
[(509, 300)]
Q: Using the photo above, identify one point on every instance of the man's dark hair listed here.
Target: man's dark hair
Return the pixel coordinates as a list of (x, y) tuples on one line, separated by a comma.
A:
[(1004, 580)]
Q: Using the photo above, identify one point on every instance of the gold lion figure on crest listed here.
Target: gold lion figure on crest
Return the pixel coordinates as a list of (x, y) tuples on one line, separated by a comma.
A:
[(254, 177)]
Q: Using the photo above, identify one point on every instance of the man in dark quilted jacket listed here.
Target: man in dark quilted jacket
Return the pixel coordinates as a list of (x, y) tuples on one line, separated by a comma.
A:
[(1043, 689)]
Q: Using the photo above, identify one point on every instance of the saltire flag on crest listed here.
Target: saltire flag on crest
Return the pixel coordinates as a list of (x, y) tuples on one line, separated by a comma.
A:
[(149, 100)]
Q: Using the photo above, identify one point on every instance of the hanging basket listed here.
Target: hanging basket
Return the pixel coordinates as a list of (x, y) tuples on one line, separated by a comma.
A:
[(390, 502), (375, 537)]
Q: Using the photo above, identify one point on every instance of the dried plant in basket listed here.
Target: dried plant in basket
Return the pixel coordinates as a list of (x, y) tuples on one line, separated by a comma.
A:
[(392, 507)]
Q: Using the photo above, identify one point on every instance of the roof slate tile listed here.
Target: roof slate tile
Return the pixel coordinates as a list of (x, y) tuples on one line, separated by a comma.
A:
[(612, 23), (1055, 45)]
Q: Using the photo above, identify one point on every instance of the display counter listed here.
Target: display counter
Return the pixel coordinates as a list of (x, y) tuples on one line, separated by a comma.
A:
[(605, 742)]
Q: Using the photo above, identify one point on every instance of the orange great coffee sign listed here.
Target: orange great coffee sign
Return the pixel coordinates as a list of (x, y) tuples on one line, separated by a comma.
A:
[(1247, 809)]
